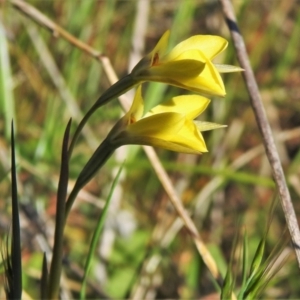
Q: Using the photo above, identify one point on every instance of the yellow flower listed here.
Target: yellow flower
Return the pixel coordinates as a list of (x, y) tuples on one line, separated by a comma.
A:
[(188, 65), (170, 125)]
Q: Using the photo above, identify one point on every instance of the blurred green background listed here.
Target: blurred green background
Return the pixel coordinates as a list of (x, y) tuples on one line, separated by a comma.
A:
[(144, 252)]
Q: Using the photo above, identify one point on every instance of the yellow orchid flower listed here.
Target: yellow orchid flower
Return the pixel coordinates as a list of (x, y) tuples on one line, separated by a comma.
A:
[(170, 125), (188, 65)]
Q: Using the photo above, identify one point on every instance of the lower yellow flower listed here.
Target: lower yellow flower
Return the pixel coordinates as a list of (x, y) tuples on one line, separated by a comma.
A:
[(169, 126)]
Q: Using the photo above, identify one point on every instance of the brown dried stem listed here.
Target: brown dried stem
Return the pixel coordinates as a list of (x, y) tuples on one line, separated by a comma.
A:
[(264, 126)]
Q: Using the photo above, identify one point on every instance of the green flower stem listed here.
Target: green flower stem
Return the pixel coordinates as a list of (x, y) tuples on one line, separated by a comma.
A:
[(120, 87), (98, 159)]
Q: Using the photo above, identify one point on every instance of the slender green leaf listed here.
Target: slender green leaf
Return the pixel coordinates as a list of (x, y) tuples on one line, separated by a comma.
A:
[(15, 290), (228, 285)]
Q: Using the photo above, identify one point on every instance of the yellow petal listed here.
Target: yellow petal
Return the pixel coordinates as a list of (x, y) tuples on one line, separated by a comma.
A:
[(157, 125), (184, 72), (189, 105), (187, 140), (162, 45), (186, 68), (137, 108), (146, 62), (209, 82), (170, 131), (209, 45), (190, 137), (160, 143)]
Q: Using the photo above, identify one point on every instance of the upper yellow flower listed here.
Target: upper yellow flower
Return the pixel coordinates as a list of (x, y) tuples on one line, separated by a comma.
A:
[(187, 65), (169, 125)]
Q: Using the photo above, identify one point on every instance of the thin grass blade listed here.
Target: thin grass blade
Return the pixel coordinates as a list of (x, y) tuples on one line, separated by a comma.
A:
[(260, 267), (228, 285), (15, 261), (229, 282), (272, 265), (258, 257)]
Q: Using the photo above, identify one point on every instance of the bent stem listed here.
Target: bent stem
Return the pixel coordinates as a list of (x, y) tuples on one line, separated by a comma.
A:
[(98, 159), (120, 87)]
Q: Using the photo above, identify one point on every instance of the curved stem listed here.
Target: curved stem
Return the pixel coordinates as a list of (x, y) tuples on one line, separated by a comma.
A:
[(120, 87), (98, 159)]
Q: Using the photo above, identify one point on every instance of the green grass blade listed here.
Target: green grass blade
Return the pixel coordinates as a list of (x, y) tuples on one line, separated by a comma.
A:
[(96, 235), (16, 260), (227, 288), (226, 172), (56, 264), (260, 267), (273, 265), (230, 279), (258, 257)]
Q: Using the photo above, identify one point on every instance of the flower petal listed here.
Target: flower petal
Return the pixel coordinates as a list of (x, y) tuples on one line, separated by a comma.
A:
[(209, 82), (184, 73), (157, 125), (189, 105), (162, 45), (187, 140), (136, 110), (209, 45), (190, 137), (160, 143), (180, 69), (169, 131)]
